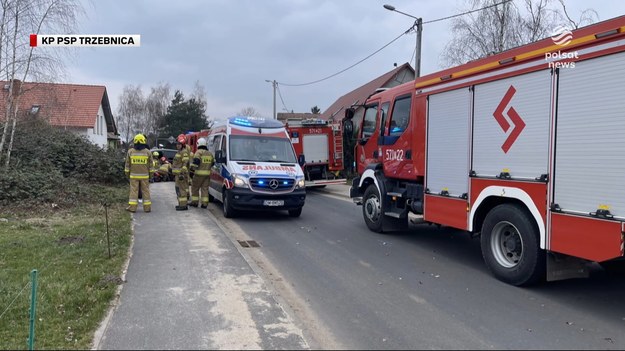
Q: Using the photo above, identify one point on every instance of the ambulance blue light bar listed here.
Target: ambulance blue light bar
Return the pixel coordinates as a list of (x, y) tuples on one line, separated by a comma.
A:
[(255, 122)]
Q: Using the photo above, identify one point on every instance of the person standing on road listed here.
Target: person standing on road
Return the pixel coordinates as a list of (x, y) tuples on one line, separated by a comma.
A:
[(203, 160), (138, 168), (180, 169)]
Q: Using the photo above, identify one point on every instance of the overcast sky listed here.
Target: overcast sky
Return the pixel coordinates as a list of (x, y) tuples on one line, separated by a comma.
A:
[(232, 46)]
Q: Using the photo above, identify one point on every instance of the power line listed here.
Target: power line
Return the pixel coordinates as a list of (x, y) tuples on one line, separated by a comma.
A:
[(468, 12), (281, 99), (339, 72), (392, 41)]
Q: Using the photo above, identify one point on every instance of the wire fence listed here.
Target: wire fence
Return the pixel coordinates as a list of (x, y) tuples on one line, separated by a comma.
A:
[(62, 296)]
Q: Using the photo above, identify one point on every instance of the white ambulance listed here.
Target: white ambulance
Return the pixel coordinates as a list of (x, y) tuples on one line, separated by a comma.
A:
[(255, 167)]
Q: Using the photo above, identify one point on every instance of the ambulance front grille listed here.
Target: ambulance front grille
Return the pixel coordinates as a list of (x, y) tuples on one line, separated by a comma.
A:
[(272, 184)]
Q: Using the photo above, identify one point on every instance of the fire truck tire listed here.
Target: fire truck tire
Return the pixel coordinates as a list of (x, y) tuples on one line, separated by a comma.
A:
[(295, 213), (616, 267), (229, 212), (511, 246), (372, 209)]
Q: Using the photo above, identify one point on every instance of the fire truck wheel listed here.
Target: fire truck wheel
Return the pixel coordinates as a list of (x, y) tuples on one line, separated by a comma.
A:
[(372, 209), (616, 267), (511, 247), (295, 213), (229, 212)]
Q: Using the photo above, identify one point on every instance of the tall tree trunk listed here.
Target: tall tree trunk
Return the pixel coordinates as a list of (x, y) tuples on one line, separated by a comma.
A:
[(10, 103), (26, 70)]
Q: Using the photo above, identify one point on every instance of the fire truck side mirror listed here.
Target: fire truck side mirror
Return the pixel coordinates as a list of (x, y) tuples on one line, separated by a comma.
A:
[(349, 113), (301, 159)]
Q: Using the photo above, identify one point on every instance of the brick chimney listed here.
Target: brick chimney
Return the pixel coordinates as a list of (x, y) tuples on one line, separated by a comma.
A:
[(17, 85)]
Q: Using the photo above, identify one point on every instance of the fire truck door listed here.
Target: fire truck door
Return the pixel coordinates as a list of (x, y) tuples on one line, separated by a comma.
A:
[(367, 147), (395, 141)]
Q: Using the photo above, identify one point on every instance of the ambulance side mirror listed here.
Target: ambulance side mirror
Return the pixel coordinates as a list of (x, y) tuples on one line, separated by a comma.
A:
[(219, 156), (301, 160)]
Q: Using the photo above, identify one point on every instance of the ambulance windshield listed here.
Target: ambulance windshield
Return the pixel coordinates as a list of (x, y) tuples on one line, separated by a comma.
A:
[(261, 149)]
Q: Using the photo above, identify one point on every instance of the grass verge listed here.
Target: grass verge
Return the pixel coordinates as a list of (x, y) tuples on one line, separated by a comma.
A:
[(76, 278)]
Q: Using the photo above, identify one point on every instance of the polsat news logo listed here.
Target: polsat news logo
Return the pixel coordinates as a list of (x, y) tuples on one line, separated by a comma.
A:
[(37, 40)]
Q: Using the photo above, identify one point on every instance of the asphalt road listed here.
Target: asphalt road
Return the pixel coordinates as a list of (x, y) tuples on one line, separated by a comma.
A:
[(427, 288)]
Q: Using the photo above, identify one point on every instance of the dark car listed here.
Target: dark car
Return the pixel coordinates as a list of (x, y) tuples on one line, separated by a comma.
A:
[(169, 154)]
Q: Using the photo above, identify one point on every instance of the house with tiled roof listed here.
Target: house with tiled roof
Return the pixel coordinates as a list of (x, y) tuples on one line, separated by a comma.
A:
[(397, 76), (82, 109), (356, 98)]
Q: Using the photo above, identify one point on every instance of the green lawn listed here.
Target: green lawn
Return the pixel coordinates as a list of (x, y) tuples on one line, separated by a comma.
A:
[(76, 278)]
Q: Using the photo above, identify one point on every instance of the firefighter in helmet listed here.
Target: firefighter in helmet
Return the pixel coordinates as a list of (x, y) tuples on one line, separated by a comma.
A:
[(200, 170), (156, 164), (180, 169), (138, 168)]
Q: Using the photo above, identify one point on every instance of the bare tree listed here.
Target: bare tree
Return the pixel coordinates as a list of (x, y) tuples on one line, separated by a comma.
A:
[(250, 111), (156, 108), (199, 94), (131, 114), (17, 59), (504, 26), (586, 17)]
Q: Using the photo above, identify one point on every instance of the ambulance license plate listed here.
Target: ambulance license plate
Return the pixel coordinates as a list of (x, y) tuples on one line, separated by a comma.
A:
[(273, 202)]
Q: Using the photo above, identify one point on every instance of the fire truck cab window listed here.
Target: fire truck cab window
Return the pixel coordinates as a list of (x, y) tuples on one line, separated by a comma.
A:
[(383, 118), (368, 122), (400, 116)]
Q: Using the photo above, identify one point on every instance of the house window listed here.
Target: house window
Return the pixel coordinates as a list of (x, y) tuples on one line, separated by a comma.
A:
[(34, 109)]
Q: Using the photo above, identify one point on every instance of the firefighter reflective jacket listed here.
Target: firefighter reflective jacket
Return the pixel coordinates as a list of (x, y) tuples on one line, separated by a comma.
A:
[(181, 162), (139, 164), (202, 162)]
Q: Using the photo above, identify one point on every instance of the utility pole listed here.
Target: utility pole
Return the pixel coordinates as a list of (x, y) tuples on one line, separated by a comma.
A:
[(275, 86), (419, 29)]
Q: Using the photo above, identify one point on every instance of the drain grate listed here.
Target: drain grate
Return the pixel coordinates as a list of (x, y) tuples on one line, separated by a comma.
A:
[(248, 243)]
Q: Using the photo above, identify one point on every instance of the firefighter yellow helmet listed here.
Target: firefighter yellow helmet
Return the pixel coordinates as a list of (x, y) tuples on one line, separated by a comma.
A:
[(155, 154), (139, 139)]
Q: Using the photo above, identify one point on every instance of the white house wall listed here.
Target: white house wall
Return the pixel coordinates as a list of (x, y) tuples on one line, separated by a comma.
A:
[(98, 134)]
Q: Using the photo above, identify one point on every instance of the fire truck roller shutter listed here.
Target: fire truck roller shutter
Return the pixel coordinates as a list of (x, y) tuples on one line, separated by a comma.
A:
[(590, 139), (448, 142), (316, 148), (511, 126)]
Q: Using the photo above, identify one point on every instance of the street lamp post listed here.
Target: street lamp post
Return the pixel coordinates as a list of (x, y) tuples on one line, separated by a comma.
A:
[(274, 84), (419, 25)]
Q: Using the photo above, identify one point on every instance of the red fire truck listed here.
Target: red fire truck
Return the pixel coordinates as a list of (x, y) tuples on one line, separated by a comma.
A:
[(525, 148), (193, 137), (321, 143)]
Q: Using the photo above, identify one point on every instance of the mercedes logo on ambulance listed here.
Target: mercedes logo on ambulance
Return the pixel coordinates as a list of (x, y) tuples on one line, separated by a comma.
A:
[(273, 184)]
